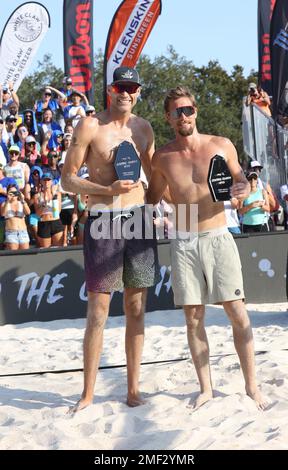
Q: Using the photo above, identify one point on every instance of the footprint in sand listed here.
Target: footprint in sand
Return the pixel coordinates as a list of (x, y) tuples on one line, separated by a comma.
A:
[(107, 410), (86, 429)]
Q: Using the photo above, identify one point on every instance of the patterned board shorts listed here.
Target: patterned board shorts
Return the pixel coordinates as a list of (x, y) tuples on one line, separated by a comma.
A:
[(113, 263)]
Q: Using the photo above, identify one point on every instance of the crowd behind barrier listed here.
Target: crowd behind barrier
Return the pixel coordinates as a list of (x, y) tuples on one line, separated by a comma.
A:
[(33, 147)]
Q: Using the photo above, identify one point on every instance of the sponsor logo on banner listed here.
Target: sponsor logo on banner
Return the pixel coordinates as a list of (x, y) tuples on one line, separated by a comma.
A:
[(27, 27), (20, 40), (128, 33)]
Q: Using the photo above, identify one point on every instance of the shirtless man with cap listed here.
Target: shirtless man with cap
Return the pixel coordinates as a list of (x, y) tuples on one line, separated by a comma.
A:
[(111, 264)]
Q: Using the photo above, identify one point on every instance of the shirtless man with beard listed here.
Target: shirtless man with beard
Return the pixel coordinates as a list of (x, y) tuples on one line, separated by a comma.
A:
[(205, 266), (111, 264)]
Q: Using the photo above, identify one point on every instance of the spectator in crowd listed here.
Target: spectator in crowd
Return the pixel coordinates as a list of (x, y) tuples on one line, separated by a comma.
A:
[(48, 124), (18, 170), (65, 145), (29, 119), (13, 111), (74, 111), (48, 205), (8, 97), (11, 126), (253, 208), (30, 153), (14, 210), (259, 97), (67, 89), (231, 215), (80, 214), (90, 110), (284, 199), (31, 191), (4, 183), (47, 102), (52, 167), (20, 135)]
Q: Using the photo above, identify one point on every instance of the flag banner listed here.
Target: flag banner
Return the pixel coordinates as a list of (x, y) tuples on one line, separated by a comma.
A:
[(78, 45), (279, 55), (20, 39), (128, 33), (265, 10)]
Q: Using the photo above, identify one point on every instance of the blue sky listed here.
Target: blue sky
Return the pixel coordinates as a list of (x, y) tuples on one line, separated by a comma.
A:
[(200, 30)]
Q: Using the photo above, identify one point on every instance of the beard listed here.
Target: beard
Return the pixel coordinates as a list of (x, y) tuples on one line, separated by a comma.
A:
[(185, 131)]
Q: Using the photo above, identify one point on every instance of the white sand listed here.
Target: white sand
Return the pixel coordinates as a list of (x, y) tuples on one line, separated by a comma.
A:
[(33, 408)]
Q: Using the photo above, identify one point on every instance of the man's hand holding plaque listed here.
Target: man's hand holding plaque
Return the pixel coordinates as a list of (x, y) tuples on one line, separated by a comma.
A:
[(219, 179), (127, 163)]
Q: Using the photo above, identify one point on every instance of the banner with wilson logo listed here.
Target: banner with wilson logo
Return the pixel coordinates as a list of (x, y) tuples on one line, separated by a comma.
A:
[(279, 56), (78, 45), (128, 33), (265, 10), (20, 39)]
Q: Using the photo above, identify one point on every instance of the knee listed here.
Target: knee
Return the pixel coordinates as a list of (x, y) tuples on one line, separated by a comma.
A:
[(96, 321), (134, 308), (237, 315), (194, 317)]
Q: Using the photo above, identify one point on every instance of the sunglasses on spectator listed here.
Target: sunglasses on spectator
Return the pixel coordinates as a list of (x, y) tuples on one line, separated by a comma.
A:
[(35, 173), (47, 94), (12, 120), (186, 110), (30, 143), (13, 152), (89, 112), (12, 193), (130, 88)]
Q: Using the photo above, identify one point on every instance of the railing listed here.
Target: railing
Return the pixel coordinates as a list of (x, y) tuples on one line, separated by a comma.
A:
[(266, 142)]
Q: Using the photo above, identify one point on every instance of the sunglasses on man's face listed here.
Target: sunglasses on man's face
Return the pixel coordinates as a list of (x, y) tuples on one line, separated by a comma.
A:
[(14, 153), (186, 110), (47, 94), (13, 120), (130, 88)]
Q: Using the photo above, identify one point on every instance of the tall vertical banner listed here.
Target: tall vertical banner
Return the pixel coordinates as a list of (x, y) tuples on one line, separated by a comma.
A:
[(265, 11), (128, 33), (78, 45), (279, 53), (20, 40)]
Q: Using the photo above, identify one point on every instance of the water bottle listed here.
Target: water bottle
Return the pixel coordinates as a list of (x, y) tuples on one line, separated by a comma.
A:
[(55, 209)]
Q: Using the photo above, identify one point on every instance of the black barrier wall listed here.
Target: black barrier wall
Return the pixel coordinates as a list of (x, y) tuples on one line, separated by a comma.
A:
[(45, 285)]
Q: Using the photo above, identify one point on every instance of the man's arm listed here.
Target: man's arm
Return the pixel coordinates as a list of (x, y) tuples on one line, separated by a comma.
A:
[(240, 188), (157, 184), (83, 134)]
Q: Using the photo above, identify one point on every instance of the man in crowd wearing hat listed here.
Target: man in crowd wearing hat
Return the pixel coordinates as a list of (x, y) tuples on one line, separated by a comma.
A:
[(258, 96), (74, 112), (112, 263)]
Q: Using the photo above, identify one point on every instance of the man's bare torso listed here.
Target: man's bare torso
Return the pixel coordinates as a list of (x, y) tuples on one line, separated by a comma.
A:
[(186, 171), (107, 136)]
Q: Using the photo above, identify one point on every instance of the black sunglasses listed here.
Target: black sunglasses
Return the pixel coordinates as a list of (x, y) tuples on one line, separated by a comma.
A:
[(186, 110), (130, 88)]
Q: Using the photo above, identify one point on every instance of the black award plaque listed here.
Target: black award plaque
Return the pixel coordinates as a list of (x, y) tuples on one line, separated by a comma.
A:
[(219, 179), (127, 163)]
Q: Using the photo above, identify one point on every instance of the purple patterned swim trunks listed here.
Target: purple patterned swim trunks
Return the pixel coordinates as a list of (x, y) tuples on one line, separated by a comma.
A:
[(113, 262)]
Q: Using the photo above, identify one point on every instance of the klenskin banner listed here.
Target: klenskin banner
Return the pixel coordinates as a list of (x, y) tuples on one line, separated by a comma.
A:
[(78, 45), (128, 33), (265, 11), (279, 55), (20, 40)]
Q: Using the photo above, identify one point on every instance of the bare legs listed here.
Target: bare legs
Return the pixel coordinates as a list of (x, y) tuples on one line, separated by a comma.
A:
[(243, 340), (98, 308), (199, 347), (244, 345), (134, 306)]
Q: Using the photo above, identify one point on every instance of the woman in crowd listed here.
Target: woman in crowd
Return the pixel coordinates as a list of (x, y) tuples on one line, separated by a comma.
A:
[(14, 210), (254, 207), (48, 205)]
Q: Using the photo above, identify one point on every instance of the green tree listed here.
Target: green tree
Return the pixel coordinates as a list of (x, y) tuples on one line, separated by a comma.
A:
[(219, 94)]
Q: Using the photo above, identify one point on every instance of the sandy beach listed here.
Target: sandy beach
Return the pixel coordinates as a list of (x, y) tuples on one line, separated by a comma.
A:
[(33, 407)]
